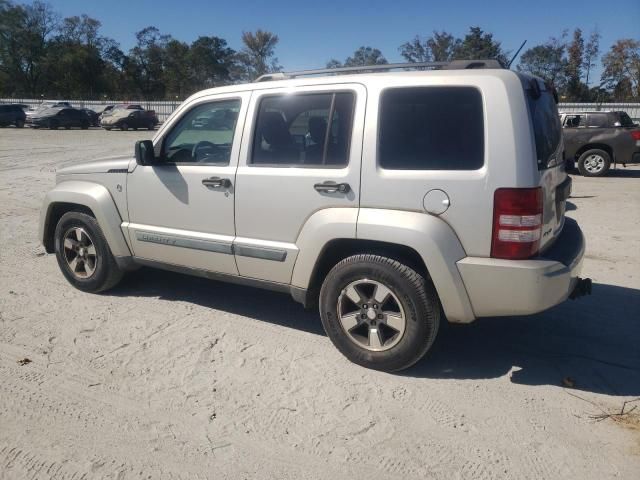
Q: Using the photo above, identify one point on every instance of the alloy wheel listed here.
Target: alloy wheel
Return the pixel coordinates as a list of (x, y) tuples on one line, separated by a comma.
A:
[(79, 252), (371, 315), (594, 163)]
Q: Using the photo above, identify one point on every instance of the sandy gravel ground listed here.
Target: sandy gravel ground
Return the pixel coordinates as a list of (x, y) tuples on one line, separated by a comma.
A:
[(175, 377)]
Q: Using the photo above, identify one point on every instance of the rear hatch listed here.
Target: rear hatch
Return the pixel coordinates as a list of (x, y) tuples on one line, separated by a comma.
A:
[(554, 181)]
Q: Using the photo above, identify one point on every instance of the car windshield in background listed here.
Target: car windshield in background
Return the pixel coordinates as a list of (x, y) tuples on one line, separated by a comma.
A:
[(546, 127)]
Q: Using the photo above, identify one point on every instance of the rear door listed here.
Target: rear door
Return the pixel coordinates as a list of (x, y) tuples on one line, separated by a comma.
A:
[(302, 155)]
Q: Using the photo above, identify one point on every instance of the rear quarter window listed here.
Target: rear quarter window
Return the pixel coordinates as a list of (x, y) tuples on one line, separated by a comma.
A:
[(546, 127), (431, 128)]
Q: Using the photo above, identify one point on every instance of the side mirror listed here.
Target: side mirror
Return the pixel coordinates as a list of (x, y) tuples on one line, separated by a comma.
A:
[(144, 152)]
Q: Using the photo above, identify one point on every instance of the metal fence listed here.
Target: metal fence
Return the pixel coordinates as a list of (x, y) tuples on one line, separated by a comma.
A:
[(162, 108), (632, 109), (165, 108)]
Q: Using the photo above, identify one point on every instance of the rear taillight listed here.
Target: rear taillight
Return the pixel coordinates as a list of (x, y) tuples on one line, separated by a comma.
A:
[(635, 134), (517, 223)]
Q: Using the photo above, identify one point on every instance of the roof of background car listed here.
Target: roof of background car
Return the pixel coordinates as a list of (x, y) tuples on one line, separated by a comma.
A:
[(362, 78)]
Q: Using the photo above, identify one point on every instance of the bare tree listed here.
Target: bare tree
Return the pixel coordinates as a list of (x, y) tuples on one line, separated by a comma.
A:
[(591, 51), (257, 57)]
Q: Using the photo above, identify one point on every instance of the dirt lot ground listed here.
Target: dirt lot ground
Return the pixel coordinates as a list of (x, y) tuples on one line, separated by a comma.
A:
[(169, 376)]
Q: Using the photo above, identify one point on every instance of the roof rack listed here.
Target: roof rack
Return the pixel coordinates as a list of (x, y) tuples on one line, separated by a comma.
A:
[(452, 65)]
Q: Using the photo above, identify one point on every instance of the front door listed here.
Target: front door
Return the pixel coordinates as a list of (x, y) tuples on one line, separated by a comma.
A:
[(301, 157), (181, 210)]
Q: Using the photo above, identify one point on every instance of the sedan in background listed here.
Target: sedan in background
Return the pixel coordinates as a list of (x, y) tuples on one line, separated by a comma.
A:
[(54, 118), (94, 118), (12, 115), (128, 118)]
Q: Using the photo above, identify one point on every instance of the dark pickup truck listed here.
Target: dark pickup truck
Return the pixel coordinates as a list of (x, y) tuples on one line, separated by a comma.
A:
[(595, 140)]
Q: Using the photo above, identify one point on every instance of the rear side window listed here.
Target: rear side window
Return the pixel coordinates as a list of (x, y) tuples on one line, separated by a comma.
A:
[(431, 128), (303, 130), (625, 120), (598, 120), (546, 127)]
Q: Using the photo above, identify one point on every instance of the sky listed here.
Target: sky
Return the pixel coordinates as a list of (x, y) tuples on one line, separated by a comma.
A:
[(313, 31)]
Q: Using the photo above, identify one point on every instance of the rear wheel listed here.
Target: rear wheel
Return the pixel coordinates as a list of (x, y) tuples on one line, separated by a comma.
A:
[(53, 125), (594, 163), (83, 253), (379, 313), (84, 126)]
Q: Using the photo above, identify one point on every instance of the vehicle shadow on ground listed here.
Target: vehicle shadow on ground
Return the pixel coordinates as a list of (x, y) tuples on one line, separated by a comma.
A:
[(264, 305), (595, 340), (622, 172)]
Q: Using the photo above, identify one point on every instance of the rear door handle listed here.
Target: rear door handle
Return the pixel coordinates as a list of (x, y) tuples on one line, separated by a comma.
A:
[(332, 187), (216, 182)]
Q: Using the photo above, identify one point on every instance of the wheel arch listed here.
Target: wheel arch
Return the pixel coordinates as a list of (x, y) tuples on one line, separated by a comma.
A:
[(86, 197), (426, 243), (595, 146)]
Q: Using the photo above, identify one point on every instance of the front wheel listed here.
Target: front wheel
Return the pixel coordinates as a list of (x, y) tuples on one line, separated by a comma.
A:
[(83, 253), (20, 123), (594, 163), (124, 127), (378, 312)]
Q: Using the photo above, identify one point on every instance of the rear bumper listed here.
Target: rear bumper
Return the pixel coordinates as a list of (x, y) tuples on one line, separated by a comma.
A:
[(523, 287)]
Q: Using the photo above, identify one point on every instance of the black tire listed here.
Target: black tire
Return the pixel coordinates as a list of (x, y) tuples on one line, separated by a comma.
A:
[(416, 296), (84, 126), (107, 273), (151, 126), (588, 168), (108, 129), (53, 125), (20, 123), (124, 126)]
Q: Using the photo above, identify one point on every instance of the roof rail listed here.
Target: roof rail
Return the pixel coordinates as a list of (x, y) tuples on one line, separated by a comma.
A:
[(452, 65)]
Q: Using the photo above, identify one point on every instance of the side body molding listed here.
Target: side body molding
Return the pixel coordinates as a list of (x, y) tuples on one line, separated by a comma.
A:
[(95, 197), (435, 242)]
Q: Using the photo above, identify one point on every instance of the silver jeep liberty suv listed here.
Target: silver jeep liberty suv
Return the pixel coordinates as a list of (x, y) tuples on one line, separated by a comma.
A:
[(392, 200)]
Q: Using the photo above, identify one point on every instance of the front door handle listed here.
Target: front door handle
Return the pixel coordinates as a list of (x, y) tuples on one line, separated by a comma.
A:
[(216, 182), (332, 187)]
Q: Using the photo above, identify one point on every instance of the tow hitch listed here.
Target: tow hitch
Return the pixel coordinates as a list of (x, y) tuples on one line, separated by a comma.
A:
[(583, 287)]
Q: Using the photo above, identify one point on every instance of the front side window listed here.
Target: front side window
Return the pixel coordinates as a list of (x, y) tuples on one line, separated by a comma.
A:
[(303, 130), (431, 128), (204, 134), (574, 121)]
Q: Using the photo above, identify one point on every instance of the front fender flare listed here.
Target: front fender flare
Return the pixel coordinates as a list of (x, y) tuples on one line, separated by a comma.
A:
[(94, 197)]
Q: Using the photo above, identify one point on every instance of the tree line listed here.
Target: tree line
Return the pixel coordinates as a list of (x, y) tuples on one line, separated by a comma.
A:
[(43, 55)]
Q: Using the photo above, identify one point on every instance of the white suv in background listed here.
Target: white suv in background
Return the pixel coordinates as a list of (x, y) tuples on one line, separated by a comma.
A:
[(386, 198)]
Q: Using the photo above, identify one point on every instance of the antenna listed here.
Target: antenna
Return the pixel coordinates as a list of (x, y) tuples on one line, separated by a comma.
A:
[(514, 57)]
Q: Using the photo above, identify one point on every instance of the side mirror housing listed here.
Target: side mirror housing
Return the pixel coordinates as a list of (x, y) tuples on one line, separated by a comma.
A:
[(144, 152)]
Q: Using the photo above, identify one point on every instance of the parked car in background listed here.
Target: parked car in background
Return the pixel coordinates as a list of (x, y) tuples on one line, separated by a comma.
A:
[(35, 111), (127, 118), (94, 118), (54, 118), (110, 109), (12, 114), (595, 140)]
